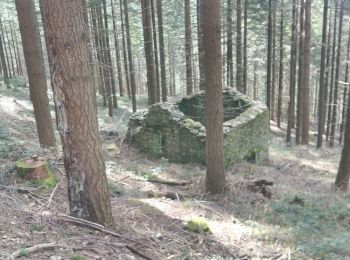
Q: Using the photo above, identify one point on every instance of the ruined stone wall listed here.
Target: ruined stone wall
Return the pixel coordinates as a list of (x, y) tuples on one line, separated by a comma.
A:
[(164, 130)]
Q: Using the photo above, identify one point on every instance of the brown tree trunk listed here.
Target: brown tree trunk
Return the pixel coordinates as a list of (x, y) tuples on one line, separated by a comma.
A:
[(229, 58), (322, 87), (269, 57), (117, 53), (331, 88), (3, 62), (149, 51), (239, 65), (345, 102), (109, 63), (215, 177), (274, 63), (36, 71), (162, 51), (301, 75), (104, 54), (10, 51), (188, 48), (200, 47), (292, 79), (155, 45), (280, 83), (337, 76), (8, 65), (125, 53), (245, 47), (85, 168), (306, 76), (131, 65)]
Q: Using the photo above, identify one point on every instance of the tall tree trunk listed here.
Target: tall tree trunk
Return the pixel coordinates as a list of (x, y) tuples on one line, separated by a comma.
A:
[(162, 51), (10, 51), (280, 83), (306, 76), (188, 48), (109, 56), (8, 65), (274, 63), (200, 46), (300, 75), (3, 62), (149, 51), (125, 53), (322, 88), (104, 54), (229, 59), (337, 76), (269, 57), (215, 177), (331, 89), (73, 90), (117, 53), (19, 58), (342, 179), (239, 65), (131, 65), (36, 71), (155, 46), (99, 54), (13, 43), (345, 102), (245, 47), (293, 69)]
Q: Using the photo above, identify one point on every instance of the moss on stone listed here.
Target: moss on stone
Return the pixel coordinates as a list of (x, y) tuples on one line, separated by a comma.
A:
[(189, 123), (198, 224)]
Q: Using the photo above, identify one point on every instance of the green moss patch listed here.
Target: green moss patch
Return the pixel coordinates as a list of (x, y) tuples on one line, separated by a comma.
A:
[(198, 225)]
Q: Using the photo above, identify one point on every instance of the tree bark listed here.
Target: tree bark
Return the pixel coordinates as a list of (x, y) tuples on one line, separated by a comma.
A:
[(125, 53), (337, 76), (331, 89), (292, 78), (245, 47), (322, 87), (306, 76), (280, 83), (162, 51), (155, 46), (131, 65), (229, 59), (200, 46), (301, 75), (239, 65), (3, 62), (117, 53), (149, 51), (269, 57), (36, 71), (345, 102), (215, 177), (188, 48), (75, 97)]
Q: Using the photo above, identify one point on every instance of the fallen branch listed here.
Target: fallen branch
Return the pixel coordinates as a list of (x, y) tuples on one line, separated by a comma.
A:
[(90, 224), (32, 249), (102, 229), (168, 194), (170, 183)]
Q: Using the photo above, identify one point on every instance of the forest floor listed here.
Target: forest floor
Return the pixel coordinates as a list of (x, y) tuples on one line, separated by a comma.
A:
[(302, 219)]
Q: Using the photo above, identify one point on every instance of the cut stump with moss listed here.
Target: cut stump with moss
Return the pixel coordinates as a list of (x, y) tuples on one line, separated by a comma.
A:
[(36, 170)]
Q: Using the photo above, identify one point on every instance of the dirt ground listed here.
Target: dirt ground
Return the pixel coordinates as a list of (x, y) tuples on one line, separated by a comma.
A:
[(297, 218)]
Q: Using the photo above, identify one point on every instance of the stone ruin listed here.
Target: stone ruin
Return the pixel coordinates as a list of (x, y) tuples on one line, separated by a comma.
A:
[(175, 130)]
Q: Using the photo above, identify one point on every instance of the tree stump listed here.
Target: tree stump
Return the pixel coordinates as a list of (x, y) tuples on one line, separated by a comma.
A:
[(36, 170)]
